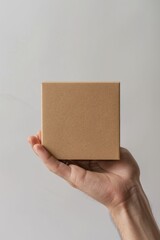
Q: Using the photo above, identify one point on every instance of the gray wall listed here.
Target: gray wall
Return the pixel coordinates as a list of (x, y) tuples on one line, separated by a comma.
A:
[(73, 41)]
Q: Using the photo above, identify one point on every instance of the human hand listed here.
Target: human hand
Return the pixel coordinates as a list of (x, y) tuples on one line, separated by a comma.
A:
[(111, 182)]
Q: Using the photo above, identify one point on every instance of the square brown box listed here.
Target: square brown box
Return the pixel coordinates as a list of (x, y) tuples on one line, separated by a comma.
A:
[(81, 120)]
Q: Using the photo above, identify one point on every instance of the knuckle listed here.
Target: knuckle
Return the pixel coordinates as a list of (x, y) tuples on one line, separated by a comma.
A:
[(56, 167)]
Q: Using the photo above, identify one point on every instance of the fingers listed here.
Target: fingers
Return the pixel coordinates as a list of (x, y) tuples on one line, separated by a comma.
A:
[(39, 135), (49, 160), (71, 173), (52, 163), (33, 140)]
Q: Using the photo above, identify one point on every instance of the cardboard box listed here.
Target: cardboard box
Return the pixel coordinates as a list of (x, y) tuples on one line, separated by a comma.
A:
[(81, 120)]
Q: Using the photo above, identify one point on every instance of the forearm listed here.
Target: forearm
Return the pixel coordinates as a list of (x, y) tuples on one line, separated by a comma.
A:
[(134, 218)]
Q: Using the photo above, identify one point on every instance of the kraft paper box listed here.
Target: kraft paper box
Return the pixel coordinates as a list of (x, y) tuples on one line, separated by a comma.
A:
[(81, 120)]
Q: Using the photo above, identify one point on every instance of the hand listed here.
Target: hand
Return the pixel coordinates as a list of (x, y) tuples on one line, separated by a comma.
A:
[(111, 182), (114, 183)]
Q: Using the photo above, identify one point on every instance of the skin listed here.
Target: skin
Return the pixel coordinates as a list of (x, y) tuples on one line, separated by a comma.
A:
[(115, 184)]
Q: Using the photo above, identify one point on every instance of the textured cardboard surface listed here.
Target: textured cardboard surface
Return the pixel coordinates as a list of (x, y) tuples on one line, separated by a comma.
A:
[(81, 120)]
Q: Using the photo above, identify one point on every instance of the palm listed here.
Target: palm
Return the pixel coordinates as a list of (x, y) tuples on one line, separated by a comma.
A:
[(106, 181)]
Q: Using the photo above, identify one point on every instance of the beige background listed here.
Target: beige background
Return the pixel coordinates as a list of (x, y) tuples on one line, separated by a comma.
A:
[(73, 41)]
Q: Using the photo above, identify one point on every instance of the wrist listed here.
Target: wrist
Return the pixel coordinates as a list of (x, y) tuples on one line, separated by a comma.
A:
[(133, 199), (133, 217)]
